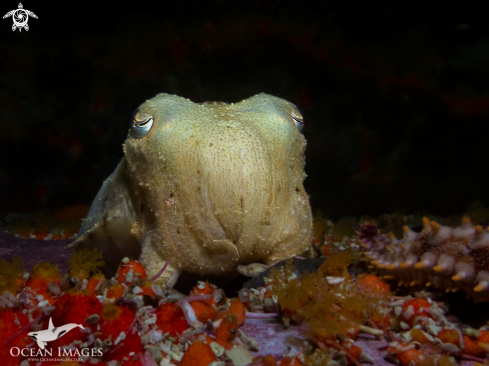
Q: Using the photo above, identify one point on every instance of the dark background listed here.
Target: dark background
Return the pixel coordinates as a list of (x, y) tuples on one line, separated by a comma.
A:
[(395, 94)]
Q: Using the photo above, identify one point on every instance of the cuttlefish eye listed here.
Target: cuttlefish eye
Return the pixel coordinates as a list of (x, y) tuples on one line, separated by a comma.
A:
[(141, 124), (298, 119)]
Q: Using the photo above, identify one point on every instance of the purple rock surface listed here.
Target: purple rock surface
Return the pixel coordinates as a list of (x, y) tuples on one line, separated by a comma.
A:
[(34, 251), (272, 336)]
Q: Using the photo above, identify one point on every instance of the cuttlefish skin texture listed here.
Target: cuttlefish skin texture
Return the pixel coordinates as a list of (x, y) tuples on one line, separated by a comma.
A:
[(206, 186)]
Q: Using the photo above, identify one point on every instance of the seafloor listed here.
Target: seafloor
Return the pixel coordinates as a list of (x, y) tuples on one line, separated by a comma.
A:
[(270, 334)]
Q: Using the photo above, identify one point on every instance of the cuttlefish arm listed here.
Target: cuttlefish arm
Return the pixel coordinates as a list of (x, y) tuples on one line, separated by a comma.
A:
[(112, 227)]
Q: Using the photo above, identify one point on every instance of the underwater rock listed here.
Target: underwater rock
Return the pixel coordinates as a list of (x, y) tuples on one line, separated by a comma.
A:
[(34, 251)]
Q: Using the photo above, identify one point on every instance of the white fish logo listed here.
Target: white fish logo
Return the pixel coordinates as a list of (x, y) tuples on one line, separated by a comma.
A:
[(52, 333), (20, 17)]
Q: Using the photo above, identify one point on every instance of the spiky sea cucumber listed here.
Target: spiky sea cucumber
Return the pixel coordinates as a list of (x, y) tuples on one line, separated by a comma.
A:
[(448, 258)]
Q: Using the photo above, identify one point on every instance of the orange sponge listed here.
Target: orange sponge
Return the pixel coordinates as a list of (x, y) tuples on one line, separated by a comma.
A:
[(74, 307), (198, 354), (127, 273), (9, 326), (226, 331), (170, 319), (40, 279), (115, 319), (420, 307), (238, 309)]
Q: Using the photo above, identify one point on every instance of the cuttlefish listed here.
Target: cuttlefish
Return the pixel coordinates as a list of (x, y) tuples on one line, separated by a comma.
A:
[(204, 187)]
